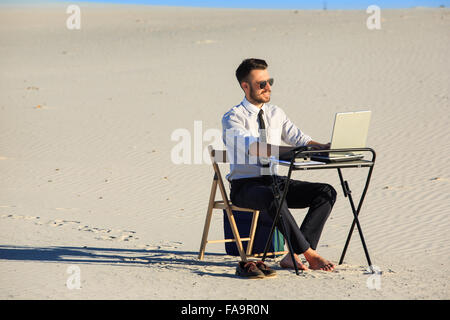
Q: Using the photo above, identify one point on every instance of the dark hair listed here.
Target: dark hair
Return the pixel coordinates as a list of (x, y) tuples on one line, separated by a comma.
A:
[(247, 66)]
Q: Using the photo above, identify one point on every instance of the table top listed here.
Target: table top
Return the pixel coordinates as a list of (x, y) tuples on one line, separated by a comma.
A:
[(311, 165)]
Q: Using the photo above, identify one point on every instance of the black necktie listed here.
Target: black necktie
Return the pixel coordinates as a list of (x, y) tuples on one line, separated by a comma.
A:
[(262, 127), (262, 136)]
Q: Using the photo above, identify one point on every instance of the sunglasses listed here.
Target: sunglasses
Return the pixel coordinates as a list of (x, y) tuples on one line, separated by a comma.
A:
[(263, 84)]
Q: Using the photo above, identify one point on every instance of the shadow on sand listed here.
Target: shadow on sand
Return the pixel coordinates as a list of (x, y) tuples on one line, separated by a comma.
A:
[(164, 259)]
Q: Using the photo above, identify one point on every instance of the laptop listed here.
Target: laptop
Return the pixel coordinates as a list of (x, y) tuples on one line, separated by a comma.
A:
[(349, 131)]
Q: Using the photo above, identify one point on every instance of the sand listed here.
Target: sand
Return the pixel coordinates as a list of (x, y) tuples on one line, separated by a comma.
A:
[(89, 190)]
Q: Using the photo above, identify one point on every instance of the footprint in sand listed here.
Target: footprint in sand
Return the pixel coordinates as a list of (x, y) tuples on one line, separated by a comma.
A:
[(163, 245), (396, 188), (60, 222), (16, 216), (103, 233), (438, 179)]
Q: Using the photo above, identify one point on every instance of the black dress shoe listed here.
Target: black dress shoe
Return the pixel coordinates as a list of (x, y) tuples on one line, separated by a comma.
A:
[(268, 272), (249, 270)]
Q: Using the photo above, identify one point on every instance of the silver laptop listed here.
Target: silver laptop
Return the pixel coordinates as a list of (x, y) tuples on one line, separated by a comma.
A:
[(349, 131)]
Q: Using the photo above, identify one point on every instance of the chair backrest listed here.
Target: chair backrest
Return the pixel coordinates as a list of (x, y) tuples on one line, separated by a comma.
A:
[(219, 156)]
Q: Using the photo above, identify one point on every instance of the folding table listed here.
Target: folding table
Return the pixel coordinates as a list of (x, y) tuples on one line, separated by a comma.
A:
[(304, 152)]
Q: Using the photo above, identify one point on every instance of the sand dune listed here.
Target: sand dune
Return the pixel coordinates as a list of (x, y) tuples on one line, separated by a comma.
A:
[(86, 118)]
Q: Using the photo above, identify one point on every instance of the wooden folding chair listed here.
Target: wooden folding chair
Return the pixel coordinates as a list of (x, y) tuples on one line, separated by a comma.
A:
[(219, 156)]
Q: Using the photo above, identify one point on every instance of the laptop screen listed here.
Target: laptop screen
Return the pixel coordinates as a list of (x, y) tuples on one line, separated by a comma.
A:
[(350, 130)]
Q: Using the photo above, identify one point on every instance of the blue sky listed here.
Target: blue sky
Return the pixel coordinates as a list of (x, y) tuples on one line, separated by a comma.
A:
[(265, 4), (289, 4)]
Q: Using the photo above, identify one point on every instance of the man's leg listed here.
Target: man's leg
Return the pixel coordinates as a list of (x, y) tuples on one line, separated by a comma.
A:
[(320, 198), (257, 194)]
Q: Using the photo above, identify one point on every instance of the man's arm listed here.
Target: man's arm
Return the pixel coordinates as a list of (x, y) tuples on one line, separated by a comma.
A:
[(267, 150), (233, 127)]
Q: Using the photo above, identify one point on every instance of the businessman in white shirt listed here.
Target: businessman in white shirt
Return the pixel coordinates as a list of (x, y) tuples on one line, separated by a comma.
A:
[(252, 132)]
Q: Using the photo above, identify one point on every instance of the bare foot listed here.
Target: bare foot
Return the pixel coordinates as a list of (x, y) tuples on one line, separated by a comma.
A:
[(316, 262), (287, 263)]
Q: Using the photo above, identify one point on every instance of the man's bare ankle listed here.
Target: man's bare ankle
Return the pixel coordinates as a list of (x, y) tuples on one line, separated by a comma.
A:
[(311, 254)]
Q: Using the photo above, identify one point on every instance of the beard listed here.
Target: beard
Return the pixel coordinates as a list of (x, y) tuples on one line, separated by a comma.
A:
[(258, 98)]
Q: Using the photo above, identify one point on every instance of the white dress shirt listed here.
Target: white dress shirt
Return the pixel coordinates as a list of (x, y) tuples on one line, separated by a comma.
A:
[(241, 129)]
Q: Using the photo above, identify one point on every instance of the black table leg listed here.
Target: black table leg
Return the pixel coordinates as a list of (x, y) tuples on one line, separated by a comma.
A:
[(347, 193), (278, 216)]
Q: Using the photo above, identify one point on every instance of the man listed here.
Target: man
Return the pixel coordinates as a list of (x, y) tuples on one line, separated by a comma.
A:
[(252, 131)]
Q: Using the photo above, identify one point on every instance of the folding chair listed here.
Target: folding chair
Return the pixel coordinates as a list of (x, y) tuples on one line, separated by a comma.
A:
[(219, 156)]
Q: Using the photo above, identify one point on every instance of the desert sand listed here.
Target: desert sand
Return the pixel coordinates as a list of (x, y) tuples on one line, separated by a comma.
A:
[(87, 116)]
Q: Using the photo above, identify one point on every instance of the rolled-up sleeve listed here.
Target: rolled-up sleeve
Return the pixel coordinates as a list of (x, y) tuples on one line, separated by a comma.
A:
[(291, 134)]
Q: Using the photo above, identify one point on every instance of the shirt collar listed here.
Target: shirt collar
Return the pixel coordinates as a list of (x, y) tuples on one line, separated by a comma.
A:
[(251, 107)]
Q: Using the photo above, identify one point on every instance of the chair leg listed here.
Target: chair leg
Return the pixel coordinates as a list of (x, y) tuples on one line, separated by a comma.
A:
[(252, 232), (236, 235), (207, 220)]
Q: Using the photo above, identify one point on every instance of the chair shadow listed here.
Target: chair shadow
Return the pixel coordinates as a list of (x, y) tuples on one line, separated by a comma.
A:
[(165, 259)]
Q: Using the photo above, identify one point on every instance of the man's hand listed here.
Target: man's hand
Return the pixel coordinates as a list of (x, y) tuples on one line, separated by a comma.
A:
[(319, 146), (267, 150)]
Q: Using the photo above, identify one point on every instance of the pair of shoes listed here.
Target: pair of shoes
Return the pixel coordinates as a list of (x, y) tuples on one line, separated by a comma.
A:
[(268, 272), (254, 270), (249, 270)]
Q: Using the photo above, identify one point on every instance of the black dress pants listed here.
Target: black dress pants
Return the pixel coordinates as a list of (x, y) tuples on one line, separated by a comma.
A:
[(257, 193)]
